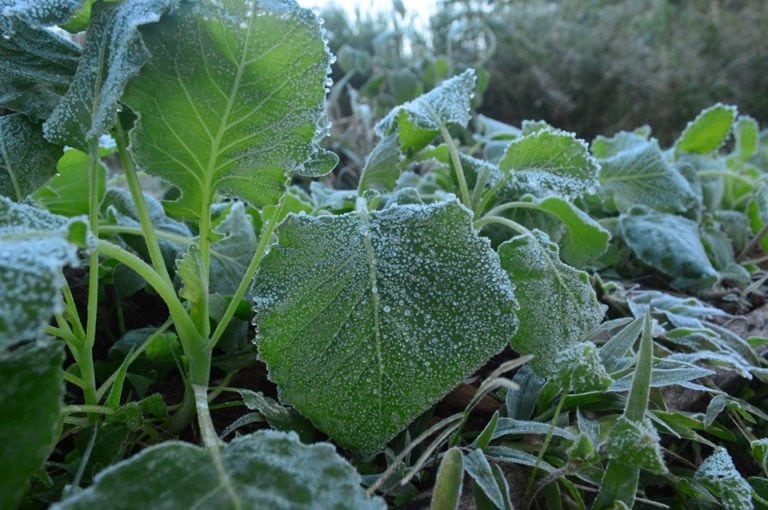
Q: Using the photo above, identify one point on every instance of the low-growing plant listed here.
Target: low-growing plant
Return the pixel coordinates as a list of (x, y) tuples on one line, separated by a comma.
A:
[(131, 307)]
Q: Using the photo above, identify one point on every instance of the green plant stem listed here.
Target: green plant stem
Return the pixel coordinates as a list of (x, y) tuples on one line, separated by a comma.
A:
[(71, 311), (487, 220), (188, 334), (732, 175), (510, 205), (754, 242), (167, 236), (547, 440), (453, 152), (88, 409), (147, 228), (85, 356), (265, 238)]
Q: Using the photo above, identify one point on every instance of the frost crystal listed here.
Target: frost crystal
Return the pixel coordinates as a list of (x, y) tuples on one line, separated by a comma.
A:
[(719, 473), (581, 369), (636, 444)]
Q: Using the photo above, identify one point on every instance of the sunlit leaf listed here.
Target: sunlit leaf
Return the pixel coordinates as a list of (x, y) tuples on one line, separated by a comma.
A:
[(708, 131), (242, 103)]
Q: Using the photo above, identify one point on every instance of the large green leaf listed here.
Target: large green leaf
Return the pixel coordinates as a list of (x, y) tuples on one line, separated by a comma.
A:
[(670, 244), (267, 469), (27, 160), (417, 122), (708, 131), (36, 67), (550, 162), (31, 395), (242, 100), (367, 319), (558, 306), (640, 175), (113, 54), (34, 247)]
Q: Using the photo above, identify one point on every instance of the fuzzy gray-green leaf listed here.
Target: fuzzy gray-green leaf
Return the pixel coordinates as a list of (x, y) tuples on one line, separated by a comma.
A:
[(557, 303), (267, 469), (719, 473), (34, 247), (670, 244), (242, 104), (36, 68), (90, 107), (367, 319), (31, 397), (27, 160)]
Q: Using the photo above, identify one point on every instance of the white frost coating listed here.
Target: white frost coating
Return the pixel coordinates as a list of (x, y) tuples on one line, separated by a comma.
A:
[(550, 162), (718, 472), (34, 248), (35, 12), (268, 469), (367, 320), (581, 369), (636, 444), (450, 101)]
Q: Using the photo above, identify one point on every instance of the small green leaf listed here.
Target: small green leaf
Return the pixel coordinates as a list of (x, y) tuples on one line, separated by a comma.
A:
[(747, 134), (27, 160), (31, 397), (67, 193), (242, 102), (449, 481), (584, 239), (639, 175), (231, 254), (670, 244), (34, 247), (367, 319), (636, 444), (580, 368), (760, 452), (89, 109), (708, 131), (719, 474), (478, 467), (383, 166), (550, 162), (604, 147), (557, 303), (267, 469), (36, 68), (417, 122)]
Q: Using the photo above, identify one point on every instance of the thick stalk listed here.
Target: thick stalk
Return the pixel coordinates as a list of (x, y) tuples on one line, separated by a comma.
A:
[(198, 375), (147, 228), (513, 225)]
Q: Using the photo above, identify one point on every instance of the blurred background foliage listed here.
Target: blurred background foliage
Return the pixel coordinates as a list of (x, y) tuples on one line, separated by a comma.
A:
[(588, 66)]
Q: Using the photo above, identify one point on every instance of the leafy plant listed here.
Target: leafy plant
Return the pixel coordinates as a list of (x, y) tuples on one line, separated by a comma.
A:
[(131, 305)]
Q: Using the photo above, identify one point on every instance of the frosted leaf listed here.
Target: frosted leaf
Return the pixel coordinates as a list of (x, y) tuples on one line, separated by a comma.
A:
[(636, 444), (383, 166), (584, 239), (580, 368), (718, 473), (640, 175), (27, 160), (34, 247), (416, 122), (550, 162), (240, 106), (36, 67), (747, 134), (359, 372), (31, 397), (479, 469), (708, 131), (670, 244), (35, 12), (760, 451), (231, 254), (268, 469), (113, 54), (604, 147), (557, 303)]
